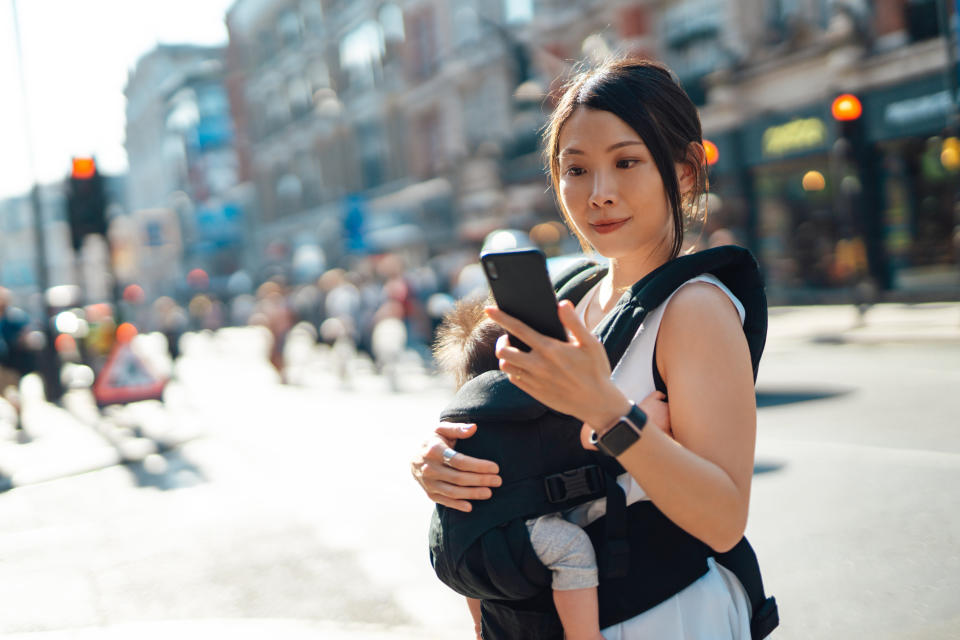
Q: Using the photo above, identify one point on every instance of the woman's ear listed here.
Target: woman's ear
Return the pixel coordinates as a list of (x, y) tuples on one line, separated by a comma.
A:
[(689, 171)]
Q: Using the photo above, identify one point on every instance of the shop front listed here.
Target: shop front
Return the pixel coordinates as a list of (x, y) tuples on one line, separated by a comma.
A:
[(809, 222), (919, 159), (727, 219)]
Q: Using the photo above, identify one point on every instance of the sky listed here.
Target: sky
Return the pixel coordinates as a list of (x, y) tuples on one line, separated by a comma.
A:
[(76, 58)]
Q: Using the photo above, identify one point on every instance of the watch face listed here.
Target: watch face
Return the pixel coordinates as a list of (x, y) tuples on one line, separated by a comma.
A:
[(619, 438)]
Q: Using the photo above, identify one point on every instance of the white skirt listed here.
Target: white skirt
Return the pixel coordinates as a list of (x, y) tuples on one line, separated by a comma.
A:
[(715, 607)]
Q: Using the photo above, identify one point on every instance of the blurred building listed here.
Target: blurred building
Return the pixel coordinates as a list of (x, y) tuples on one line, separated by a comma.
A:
[(18, 267), (370, 127), (412, 126), (832, 210), (185, 207)]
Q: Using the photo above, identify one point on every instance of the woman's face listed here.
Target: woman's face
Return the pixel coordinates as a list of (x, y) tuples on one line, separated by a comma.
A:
[(610, 186)]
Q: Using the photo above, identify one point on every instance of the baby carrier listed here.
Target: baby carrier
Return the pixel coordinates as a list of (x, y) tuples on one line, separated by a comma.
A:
[(643, 558)]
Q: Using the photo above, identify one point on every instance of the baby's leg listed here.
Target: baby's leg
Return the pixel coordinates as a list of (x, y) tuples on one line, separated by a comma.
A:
[(579, 613), (565, 549)]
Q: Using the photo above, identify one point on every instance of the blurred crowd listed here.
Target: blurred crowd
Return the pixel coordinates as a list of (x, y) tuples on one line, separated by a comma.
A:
[(381, 307)]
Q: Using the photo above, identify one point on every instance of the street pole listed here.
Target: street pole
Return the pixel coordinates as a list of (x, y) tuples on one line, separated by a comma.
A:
[(48, 365)]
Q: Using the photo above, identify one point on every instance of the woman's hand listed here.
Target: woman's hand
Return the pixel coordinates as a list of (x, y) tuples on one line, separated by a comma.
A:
[(571, 377), (658, 416), (463, 478)]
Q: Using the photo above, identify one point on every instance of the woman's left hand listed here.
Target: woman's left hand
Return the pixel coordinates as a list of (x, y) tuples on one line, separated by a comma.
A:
[(571, 377)]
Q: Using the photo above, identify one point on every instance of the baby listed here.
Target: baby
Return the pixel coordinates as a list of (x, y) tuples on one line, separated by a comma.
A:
[(465, 348)]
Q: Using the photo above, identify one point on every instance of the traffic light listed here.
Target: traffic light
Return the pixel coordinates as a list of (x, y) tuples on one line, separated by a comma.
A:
[(86, 201), (846, 110)]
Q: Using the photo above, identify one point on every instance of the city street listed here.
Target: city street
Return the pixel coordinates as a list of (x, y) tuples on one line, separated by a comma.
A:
[(256, 509)]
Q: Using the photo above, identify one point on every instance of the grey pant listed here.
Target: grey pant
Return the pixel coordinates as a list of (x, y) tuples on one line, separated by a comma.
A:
[(565, 549)]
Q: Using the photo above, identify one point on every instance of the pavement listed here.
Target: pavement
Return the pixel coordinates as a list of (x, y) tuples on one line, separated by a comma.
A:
[(889, 323), (73, 438)]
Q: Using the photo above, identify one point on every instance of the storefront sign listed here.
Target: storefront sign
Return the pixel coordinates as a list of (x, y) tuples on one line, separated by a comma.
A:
[(777, 136), (904, 112), (793, 137), (918, 108)]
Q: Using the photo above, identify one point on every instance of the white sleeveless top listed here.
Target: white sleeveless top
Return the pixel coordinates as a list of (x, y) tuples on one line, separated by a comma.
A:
[(715, 607)]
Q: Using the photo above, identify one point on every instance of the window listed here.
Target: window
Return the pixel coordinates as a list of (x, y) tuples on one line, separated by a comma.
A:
[(391, 22), (289, 193), (311, 13), (298, 93), (288, 28), (922, 20), (517, 11), (373, 152), (266, 46), (428, 150), (422, 43), (780, 15), (309, 177), (466, 26), (485, 110), (212, 101), (361, 55)]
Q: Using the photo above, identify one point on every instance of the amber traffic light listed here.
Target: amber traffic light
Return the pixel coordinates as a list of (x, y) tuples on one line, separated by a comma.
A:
[(83, 168), (846, 107), (86, 201), (713, 154)]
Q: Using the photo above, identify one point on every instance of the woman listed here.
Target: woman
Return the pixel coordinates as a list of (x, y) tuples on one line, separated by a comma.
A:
[(627, 164)]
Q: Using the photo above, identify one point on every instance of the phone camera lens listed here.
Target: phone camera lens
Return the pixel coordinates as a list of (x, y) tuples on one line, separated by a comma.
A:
[(491, 270)]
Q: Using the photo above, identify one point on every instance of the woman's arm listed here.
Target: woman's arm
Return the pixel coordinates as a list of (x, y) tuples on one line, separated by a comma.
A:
[(700, 480)]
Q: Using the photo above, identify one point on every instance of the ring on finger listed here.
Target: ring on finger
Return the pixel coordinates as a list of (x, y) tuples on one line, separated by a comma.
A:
[(448, 455)]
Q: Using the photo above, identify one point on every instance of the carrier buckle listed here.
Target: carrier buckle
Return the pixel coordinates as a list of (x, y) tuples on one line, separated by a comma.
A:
[(576, 483)]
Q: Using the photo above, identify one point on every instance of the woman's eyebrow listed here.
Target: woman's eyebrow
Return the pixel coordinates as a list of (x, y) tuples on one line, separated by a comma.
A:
[(624, 143)]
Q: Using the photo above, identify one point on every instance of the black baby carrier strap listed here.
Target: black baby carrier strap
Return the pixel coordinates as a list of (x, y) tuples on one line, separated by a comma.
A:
[(643, 557)]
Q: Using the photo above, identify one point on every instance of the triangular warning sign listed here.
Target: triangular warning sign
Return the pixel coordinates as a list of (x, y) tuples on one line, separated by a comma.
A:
[(125, 378)]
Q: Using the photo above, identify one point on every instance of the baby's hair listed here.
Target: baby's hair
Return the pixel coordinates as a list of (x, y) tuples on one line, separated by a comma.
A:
[(466, 341)]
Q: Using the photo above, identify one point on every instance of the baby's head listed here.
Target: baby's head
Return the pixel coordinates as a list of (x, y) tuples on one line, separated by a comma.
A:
[(466, 341)]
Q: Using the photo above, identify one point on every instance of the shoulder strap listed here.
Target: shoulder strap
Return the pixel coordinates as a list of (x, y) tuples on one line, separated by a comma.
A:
[(573, 282), (569, 272), (742, 561), (734, 266)]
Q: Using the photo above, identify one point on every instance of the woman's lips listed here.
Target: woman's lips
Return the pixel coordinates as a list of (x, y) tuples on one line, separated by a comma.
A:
[(608, 226)]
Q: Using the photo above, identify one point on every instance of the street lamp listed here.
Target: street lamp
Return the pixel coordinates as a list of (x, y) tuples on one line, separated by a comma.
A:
[(48, 364)]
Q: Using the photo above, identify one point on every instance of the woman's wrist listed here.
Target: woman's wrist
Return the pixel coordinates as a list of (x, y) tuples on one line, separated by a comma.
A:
[(609, 408)]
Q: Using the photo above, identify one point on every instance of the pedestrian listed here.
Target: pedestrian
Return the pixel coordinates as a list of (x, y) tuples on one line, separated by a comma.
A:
[(627, 165), (16, 358)]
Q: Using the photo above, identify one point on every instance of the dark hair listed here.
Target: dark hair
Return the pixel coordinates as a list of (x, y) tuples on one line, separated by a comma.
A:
[(643, 94)]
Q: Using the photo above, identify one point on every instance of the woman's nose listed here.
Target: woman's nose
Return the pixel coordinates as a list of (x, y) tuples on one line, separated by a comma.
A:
[(604, 192)]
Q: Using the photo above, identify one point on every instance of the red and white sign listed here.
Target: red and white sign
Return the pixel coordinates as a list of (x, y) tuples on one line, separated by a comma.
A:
[(126, 378)]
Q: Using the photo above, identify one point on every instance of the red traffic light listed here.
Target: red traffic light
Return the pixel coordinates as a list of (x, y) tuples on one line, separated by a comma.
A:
[(83, 168), (846, 107)]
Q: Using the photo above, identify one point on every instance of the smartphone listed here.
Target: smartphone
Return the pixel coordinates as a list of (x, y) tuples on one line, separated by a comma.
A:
[(521, 286)]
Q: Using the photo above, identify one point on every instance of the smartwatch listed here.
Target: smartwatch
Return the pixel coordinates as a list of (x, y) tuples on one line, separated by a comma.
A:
[(623, 434)]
